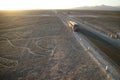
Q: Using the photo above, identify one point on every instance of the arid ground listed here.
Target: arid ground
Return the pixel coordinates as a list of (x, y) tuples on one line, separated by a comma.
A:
[(36, 45)]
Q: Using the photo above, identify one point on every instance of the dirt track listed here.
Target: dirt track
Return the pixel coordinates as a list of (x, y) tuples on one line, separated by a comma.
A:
[(42, 48)]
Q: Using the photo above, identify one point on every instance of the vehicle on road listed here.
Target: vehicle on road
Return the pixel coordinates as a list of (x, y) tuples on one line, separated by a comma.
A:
[(74, 26), (113, 35)]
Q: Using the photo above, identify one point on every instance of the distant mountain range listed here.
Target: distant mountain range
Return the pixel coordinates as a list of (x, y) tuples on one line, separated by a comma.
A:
[(101, 7)]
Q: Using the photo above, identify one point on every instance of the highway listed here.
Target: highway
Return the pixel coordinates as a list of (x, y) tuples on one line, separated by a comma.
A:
[(93, 31), (103, 42), (106, 50), (35, 46)]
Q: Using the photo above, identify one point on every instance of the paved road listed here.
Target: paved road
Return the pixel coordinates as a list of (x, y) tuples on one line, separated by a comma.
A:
[(104, 43), (38, 47), (101, 41)]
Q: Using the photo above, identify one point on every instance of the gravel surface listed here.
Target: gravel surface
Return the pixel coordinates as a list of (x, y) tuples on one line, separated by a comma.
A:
[(103, 20), (40, 47)]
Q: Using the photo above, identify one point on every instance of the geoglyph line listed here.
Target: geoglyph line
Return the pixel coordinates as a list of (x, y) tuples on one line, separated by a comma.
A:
[(36, 43), (53, 51), (28, 49), (28, 38)]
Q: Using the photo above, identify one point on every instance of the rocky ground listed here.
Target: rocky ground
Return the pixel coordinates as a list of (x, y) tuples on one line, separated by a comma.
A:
[(38, 46), (106, 21)]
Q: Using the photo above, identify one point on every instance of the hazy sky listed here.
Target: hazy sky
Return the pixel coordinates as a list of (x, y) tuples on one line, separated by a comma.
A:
[(53, 4)]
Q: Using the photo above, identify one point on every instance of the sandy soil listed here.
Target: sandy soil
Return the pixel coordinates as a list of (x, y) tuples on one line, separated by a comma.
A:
[(42, 48), (110, 24), (106, 21)]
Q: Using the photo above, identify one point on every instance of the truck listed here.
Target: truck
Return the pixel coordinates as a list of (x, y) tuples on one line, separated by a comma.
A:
[(74, 26)]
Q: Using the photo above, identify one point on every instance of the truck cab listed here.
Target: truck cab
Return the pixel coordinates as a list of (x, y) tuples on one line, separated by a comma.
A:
[(74, 26)]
